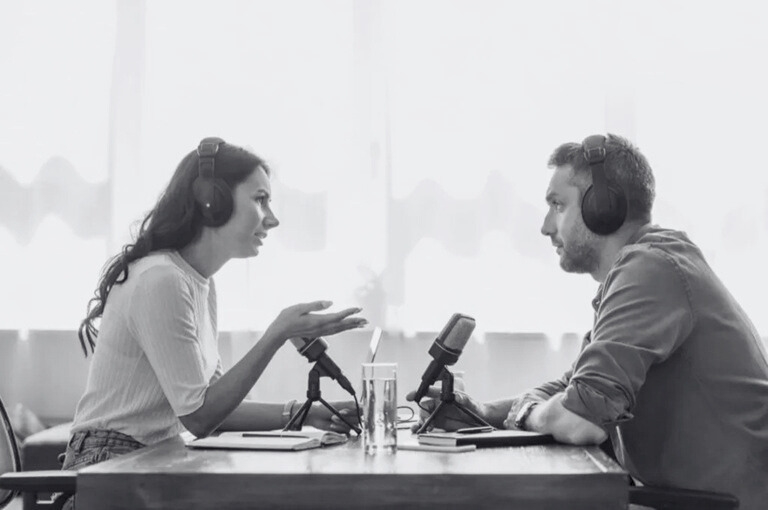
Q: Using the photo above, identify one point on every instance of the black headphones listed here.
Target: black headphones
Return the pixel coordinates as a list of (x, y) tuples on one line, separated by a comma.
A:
[(604, 205), (211, 193)]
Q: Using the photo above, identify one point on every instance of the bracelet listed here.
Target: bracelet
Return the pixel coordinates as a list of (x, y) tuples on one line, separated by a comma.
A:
[(288, 411), (521, 421)]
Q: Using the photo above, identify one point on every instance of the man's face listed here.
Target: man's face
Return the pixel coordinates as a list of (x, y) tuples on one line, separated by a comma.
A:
[(577, 246)]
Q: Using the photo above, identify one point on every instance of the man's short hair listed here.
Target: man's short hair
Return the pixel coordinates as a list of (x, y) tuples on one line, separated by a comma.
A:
[(624, 165)]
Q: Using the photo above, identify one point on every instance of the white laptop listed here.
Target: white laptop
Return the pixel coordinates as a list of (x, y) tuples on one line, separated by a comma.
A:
[(373, 347)]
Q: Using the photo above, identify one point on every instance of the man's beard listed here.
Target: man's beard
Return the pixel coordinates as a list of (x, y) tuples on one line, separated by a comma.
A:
[(580, 255)]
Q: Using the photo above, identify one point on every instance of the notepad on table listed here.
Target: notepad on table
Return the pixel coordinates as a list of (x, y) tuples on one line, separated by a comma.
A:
[(485, 439), (270, 440)]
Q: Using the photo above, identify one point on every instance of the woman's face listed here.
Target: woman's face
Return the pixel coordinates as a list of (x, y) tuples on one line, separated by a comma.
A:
[(252, 216)]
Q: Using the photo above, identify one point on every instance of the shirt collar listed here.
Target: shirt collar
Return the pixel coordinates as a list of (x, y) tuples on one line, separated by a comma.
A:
[(640, 232), (598, 297)]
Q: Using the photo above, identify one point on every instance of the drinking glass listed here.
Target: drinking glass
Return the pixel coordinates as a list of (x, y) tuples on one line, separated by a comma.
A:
[(379, 408)]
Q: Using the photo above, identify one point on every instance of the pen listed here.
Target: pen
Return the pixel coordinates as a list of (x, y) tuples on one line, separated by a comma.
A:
[(432, 448), (257, 434)]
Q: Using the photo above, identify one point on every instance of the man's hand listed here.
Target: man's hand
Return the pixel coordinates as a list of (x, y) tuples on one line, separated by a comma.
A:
[(321, 418), (450, 417)]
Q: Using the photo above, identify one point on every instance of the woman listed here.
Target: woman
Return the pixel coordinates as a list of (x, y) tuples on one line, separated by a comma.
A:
[(156, 370)]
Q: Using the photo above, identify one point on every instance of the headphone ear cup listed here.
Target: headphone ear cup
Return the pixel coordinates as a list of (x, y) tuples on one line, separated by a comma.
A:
[(604, 216), (214, 198), (223, 203)]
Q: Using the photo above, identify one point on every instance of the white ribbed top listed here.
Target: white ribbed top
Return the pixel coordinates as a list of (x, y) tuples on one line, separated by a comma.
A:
[(156, 352)]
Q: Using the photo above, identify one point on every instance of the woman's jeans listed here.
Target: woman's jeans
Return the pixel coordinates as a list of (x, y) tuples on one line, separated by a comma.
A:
[(89, 447)]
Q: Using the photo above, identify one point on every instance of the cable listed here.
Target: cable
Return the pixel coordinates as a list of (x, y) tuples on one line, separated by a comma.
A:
[(410, 419)]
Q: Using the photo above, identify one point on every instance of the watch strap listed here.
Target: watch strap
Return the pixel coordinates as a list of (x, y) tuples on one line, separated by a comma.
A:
[(521, 421)]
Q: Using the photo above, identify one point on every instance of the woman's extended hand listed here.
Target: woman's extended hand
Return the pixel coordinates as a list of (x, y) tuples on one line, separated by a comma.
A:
[(299, 321)]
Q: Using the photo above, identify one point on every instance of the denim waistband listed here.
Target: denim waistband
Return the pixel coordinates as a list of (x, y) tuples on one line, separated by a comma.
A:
[(98, 437)]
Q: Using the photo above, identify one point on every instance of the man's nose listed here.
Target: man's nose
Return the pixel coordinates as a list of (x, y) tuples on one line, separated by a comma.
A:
[(547, 228)]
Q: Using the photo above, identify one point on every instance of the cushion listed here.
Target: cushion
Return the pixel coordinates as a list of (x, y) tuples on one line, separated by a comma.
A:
[(40, 451)]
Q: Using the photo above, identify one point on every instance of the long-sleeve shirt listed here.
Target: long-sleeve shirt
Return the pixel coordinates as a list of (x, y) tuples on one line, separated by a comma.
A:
[(675, 372), (156, 353)]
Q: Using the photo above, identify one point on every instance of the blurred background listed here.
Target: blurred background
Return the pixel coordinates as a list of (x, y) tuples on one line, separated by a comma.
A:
[(409, 142)]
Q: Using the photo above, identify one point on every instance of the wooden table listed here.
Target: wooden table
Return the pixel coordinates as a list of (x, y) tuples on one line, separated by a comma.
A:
[(169, 475)]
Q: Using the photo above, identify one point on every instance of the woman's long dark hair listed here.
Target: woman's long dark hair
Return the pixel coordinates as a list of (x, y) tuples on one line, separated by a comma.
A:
[(173, 223)]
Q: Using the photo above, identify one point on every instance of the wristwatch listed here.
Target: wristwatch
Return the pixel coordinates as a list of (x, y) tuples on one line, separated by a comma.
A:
[(523, 414)]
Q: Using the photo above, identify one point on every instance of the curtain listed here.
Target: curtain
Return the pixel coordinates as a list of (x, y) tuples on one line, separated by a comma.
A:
[(55, 203)]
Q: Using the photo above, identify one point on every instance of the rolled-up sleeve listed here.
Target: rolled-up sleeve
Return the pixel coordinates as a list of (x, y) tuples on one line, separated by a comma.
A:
[(547, 390), (643, 317)]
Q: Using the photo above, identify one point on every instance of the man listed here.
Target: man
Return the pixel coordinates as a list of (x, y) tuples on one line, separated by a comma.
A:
[(673, 372)]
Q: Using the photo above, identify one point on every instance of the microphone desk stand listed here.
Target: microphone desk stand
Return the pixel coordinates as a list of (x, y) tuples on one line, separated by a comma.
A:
[(314, 395), (448, 398)]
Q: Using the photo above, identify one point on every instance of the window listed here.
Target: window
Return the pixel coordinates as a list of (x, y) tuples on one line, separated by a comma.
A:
[(409, 141)]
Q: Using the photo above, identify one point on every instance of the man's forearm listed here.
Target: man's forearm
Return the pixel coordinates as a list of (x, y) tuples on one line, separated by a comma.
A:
[(551, 417), (539, 394), (497, 412)]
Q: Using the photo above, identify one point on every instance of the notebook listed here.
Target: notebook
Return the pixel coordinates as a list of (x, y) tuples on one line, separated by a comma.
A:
[(486, 439), (270, 440)]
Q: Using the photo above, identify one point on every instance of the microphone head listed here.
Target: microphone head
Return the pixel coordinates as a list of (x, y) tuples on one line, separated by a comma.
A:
[(456, 333), (310, 348), (446, 350)]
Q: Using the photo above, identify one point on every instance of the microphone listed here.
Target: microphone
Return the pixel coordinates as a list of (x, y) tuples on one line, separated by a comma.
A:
[(446, 350), (314, 350)]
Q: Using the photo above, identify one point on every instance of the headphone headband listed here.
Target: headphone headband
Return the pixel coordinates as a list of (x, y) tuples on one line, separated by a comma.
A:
[(209, 147), (594, 153), (594, 149), (206, 152)]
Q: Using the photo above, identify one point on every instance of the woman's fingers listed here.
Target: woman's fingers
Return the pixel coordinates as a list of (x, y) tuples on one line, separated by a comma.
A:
[(317, 306), (337, 316), (338, 425), (332, 329), (312, 306), (328, 329), (330, 323), (340, 321), (347, 325)]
